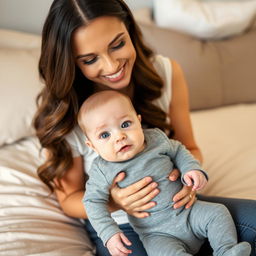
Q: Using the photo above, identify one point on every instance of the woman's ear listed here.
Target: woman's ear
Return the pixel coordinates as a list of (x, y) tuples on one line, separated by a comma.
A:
[(139, 117)]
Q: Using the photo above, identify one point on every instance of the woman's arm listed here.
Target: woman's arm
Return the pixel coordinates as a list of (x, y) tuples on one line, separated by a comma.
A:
[(180, 119), (179, 112), (73, 183)]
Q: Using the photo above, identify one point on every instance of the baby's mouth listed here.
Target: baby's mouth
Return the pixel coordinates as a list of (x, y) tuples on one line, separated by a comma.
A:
[(125, 148)]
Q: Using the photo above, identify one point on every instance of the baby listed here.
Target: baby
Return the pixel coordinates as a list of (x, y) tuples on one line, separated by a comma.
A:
[(113, 129)]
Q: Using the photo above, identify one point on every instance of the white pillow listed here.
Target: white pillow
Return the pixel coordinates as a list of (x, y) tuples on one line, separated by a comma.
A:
[(19, 86), (205, 19)]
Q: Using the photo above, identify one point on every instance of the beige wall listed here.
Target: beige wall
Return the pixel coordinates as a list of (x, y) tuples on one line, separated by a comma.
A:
[(29, 15), (23, 15)]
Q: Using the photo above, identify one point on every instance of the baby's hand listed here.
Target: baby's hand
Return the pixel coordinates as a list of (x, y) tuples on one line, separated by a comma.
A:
[(116, 247), (195, 178)]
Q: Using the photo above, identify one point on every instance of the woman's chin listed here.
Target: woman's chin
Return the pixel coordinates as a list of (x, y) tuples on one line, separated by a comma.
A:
[(120, 86)]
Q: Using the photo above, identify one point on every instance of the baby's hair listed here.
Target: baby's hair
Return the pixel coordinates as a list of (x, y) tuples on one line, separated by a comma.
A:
[(95, 100)]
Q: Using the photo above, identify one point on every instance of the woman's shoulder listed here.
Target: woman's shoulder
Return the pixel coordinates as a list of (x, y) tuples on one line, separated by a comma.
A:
[(163, 67), (161, 62)]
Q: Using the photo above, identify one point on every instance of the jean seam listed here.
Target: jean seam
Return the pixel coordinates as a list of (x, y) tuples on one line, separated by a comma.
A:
[(253, 230)]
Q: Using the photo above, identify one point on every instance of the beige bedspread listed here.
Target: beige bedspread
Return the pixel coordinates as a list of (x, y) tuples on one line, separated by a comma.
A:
[(32, 222), (227, 137)]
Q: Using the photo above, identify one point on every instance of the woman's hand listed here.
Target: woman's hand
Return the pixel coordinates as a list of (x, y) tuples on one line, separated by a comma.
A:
[(186, 196), (134, 199)]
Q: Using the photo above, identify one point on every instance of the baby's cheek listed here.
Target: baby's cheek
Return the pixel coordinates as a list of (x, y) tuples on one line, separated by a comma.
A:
[(109, 155)]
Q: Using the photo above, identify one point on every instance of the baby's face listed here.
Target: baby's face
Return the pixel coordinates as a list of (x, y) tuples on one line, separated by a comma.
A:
[(114, 130)]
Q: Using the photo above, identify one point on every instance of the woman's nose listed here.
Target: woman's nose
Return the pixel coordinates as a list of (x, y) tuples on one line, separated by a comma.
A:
[(109, 65)]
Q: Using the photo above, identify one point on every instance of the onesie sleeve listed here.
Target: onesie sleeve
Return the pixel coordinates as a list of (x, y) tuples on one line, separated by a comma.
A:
[(96, 204), (183, 159)]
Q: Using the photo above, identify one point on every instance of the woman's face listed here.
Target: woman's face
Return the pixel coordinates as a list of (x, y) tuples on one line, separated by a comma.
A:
[(104, 52)]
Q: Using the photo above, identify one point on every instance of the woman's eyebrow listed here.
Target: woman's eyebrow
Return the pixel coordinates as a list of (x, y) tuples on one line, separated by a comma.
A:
[(92, 54), (116, 38)]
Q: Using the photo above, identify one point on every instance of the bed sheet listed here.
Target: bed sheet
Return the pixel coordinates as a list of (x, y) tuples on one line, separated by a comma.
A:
[(227, 139), (31, 221)]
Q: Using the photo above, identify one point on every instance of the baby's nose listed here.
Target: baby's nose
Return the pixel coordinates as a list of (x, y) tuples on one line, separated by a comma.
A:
[(120, 136)]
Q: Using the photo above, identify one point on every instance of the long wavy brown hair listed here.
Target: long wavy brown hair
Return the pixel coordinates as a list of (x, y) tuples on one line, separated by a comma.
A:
[(66, 87)]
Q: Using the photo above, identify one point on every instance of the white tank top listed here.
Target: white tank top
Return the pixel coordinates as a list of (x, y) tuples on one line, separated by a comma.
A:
[(76, 138)]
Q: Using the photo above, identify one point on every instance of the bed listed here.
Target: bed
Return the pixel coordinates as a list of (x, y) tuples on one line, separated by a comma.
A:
[(223, 118)]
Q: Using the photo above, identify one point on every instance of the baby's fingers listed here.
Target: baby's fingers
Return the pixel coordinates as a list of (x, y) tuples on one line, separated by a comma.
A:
[(196, 183), (203, 182), (116, 246), (120, 245), (125, 239), (123, 250), (188, 180)]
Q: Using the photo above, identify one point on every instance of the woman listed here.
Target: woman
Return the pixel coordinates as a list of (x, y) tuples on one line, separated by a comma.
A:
[(93, 45)]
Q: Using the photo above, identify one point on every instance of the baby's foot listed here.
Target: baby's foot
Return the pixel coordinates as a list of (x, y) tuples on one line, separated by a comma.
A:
[(240, 249)]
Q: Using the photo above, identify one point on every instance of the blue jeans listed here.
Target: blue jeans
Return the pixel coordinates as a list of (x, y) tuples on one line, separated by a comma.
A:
[(243, 212)]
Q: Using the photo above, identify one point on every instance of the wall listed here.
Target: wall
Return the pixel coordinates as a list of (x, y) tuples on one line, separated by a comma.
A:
[(29, 15)]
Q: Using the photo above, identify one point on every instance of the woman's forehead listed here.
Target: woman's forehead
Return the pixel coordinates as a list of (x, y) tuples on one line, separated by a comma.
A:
[(99, 32)]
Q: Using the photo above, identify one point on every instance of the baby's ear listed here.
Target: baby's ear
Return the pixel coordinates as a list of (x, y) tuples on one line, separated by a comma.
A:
[(90, 145), (139, 117)]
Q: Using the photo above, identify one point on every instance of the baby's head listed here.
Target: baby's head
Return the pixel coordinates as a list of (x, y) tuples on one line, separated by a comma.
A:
[(111, 125)]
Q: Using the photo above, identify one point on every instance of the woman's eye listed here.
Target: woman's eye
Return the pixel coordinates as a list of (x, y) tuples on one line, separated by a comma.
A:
[(120, 45), (104, 135), (126, 124), (90, 61)]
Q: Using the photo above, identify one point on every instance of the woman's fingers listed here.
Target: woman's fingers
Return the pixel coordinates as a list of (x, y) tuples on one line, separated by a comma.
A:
[(185, 197), (135, 198), (192, 199), (144, 203), (144, 195), (140, 201), (140, 215), (130, 190), (119, 177), (174, 175)]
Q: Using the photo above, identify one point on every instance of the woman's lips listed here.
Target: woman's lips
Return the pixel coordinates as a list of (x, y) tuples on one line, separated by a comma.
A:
[(117, 76)]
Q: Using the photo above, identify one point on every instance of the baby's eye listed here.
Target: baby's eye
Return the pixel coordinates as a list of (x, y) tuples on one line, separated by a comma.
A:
[(104, 135), (126, 124)]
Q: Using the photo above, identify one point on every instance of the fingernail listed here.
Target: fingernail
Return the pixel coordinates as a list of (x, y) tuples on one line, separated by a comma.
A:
[(148, 179), (153, 204), (154, 185)]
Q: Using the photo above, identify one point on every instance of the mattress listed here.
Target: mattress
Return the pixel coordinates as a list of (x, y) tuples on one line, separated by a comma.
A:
[(227, 139), (32, 222)]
